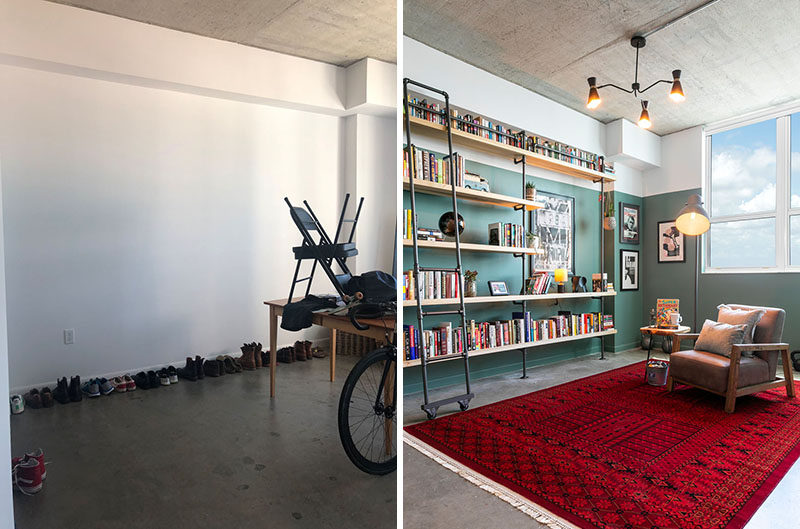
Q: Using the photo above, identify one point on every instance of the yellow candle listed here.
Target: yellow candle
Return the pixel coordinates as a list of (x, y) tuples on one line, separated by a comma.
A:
[(560, 275)]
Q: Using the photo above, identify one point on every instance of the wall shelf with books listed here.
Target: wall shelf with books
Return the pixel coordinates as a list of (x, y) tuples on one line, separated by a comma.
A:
[(464, 193), (511, 347), (533, 159), (552, 296), (473, 247)]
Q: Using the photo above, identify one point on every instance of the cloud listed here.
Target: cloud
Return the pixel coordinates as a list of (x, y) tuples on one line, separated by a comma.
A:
[(743, 179)]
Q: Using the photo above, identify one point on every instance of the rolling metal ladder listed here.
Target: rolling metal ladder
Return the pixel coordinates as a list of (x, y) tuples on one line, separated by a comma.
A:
[(463, 400)]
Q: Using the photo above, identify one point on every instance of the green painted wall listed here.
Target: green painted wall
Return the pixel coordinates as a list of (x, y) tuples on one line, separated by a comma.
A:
[(506, 268), (667, 280)]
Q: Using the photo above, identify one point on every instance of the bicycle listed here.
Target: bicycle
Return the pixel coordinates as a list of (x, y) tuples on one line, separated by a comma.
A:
[(367, 406)]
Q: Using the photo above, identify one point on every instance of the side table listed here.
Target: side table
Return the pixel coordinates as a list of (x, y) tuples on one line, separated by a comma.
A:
[(661, 331)]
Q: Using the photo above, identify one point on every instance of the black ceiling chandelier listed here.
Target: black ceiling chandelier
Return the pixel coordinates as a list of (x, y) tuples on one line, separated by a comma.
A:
[(676, 94)]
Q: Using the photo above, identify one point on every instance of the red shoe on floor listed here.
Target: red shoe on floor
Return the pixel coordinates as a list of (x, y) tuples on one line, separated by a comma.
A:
[(37, 455), (27, 476)]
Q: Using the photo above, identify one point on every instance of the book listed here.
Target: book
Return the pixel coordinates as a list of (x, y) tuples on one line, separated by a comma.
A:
[(663, 309)]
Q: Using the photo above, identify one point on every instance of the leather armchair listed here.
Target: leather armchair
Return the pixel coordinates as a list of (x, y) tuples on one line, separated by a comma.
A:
[(738, 375)]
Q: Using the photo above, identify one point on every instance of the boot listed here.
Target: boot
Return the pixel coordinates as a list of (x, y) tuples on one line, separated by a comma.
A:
[(248, 358), (285, 355), (307, 349), (198, 366), (299, 351), (61, 393), (189, 372), (211, 368), (266, 358), (257, 355), (75, 393)]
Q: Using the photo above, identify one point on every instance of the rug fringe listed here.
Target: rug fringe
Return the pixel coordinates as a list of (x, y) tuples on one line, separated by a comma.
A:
[(522, 504)]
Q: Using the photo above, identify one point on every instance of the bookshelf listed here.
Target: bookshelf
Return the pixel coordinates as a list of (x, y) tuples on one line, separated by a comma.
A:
[(511, 347), (464, 193), (552, 296), (473, 247)]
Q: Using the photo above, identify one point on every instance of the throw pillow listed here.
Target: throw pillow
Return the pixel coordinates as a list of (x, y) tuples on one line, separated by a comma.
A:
[(718, 338), (748, 317)]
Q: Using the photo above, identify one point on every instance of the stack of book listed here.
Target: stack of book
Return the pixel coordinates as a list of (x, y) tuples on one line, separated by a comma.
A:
[(432, 285), (420, 108), (538, 283), (522, 328), (429, 167), (506, 234)]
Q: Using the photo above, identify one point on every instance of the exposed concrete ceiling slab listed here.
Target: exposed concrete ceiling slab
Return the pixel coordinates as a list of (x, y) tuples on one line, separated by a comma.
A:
[(333, 31), (736, 56)]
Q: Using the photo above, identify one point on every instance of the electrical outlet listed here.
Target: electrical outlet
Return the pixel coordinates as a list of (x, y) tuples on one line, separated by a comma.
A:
[(69, 336)]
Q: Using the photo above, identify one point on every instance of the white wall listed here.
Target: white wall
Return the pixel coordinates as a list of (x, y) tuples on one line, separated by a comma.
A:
[(681, 163), (6, 499)]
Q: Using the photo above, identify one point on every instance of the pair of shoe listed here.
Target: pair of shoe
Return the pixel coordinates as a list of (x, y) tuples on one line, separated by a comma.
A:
[(252, 356), (193, 370), (147, 380), (96, 387), (214, 367), (29, 472), (167, 375), (39, 399), (17, 404), (123, 384), (230, 364), (285, 355), (68, 393), (302, 351)]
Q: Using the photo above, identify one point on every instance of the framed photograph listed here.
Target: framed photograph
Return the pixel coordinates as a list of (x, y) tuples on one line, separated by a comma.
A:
[(498, 288), (628, 223), (629, 269), (555, 226), (671, 248)]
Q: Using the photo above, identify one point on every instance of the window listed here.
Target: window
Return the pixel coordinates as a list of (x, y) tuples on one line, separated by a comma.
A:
[(753, 196)]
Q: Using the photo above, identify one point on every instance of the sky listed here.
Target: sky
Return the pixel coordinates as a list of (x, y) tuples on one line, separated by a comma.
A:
[(743, 181)]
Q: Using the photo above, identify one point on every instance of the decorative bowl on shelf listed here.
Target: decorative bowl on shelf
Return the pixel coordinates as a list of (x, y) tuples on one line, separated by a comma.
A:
[(447, 223)]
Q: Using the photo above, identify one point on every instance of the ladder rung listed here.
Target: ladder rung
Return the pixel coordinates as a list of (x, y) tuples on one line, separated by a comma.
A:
[(348, 220), (436, 269), (442, 358), (441, 312), (301, 280)]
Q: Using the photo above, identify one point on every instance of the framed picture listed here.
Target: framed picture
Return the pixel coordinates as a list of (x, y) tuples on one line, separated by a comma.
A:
[(629, 223), (671, 248), (629, 269), (555, 226), (498, 288)]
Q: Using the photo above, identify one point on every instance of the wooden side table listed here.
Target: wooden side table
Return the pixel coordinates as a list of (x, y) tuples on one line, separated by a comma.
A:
[(661, 331)]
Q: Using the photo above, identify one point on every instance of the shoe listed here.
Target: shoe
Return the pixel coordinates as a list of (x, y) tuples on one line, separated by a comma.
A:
[(189, 372), (285, 355), (27, 476), (47, 398), (33, 399), (227, 364), (163, 377), (75, 394), (198, 365), (237, 362), (316, 352), (91, 388), (120, 386), (221, 364), (173, 375), (248, 359), (257, 355), (211, 368), (152, 380), (299, 351), (265, 358), (130, 384), (140, 379), (17, 404), (38, 456), (61, 394), (106, 387), (307, 348)]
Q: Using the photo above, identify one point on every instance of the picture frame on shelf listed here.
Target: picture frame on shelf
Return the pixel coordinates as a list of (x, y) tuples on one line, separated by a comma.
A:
[(629, 223), (629, 269), (498, 288), (555, 226), (671, 247)]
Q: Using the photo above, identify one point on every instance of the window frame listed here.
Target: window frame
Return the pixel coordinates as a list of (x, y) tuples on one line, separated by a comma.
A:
[(783, 210)]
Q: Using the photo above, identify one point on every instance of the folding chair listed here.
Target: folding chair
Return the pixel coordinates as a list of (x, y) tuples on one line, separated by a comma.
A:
[(324, 250)]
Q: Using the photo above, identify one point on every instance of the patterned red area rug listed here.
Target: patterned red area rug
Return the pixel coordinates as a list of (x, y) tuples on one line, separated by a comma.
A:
[(612, 452)]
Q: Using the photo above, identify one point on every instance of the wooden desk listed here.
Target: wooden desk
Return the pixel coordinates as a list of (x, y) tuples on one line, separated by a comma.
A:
[(378, 330)]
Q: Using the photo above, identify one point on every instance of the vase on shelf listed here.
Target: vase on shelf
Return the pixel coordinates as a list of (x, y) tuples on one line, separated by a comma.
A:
[(470, 289), (530, 193)]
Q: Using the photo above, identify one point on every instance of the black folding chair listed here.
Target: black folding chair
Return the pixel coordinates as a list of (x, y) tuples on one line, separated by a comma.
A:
[(324, 250)]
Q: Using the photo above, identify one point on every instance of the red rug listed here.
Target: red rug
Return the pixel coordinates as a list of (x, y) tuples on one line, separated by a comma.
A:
[(610, 451)]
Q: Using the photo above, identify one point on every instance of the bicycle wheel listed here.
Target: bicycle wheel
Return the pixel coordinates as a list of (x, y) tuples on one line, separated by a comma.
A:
[(368, 415)]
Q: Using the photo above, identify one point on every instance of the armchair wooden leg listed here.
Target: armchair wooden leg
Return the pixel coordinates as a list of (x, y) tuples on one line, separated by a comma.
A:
[(787, 372), (670, 383), (730, 402), (733, 381)]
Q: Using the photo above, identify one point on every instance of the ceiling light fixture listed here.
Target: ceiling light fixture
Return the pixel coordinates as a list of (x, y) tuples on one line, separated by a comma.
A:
[(676, 93)]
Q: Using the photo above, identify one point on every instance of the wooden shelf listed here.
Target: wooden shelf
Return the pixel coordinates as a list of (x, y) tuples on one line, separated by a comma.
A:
[(506, 299), (472, 247), (495, 147), (512, 347), (493, 199)]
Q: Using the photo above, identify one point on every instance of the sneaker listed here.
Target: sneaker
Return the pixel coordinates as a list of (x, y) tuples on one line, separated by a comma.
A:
[(198, 365), (33, 399), (189, 372), (163, 377), (47, 398), (106, 387), (38, 456), (130, 385), (17, 404), (91, 388), (75, 394), (211, 368), (120, 386), (27, 476), (173, 374), (140, 380), (61, 394), (152, 380)]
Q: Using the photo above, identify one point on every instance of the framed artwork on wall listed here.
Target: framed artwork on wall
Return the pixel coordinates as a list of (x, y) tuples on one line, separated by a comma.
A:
[(555, 226), (671, 248), (628, 223), (629, 269)]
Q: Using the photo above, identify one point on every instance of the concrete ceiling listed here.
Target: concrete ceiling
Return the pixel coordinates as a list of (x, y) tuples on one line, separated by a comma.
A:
[(338, 32), (736, 55)]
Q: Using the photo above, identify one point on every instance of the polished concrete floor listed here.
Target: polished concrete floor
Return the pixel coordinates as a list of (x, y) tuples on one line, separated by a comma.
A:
[(208, 454), (450, 501)]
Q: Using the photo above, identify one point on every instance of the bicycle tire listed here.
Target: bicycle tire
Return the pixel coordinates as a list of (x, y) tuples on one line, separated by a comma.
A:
[(351, 447)]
